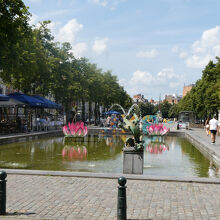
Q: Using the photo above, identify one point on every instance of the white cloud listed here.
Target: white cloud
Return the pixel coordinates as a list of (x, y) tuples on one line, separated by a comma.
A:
[(179, 51), (216, 50), (100, 45), (35, 1), (147, 54), (33, 19), (166, 74), (205, 49), (174, 85), (68, 32), (168, 77), (183, 54), (112, 4), (99, 2), (141, 77), (175, 49), (196, 61), (50, 15), (79, 49), (165, 81), (53, 26)]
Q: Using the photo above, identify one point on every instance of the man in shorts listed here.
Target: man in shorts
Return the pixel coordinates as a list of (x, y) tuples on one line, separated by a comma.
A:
[(213, 127)]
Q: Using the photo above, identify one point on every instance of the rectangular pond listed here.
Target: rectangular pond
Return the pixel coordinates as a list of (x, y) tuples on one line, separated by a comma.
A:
[(163, 156)]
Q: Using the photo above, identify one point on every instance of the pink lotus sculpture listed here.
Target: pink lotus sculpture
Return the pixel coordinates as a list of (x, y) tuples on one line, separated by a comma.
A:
[(157, 129), (75, 130)]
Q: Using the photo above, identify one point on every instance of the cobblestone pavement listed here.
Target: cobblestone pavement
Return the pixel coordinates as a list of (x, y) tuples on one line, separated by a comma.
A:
[(54, 197)]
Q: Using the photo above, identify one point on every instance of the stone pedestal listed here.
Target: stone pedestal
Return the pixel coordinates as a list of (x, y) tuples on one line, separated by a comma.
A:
[(133, 161)]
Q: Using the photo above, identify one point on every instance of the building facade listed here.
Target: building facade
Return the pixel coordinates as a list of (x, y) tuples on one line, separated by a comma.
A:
[(187, 89), (172, 99), (139, 98)]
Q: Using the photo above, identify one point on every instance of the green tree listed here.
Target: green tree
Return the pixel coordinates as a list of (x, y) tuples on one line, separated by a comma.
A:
[(32, 62), (146, 108), (14, 28), (204, 99), (165, 108), (173, 111)]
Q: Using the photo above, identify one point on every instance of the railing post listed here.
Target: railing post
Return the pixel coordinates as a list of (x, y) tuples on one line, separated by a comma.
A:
[(3, 175), (122, 203)]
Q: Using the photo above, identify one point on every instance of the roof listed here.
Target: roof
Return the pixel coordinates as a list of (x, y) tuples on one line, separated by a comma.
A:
[(36, 101), (4, 97), (48, 103), (29, 100), (11, 103)]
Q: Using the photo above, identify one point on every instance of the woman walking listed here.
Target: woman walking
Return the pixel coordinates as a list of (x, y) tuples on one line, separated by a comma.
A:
[(207, 126)]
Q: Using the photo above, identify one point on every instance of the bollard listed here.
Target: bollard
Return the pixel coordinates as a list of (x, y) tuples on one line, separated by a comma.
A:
[(177, 127), (122, 204), (3, 175)]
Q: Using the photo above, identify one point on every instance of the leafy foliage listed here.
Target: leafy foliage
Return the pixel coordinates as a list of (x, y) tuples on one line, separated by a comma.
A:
[(30, 61), (204, 98)]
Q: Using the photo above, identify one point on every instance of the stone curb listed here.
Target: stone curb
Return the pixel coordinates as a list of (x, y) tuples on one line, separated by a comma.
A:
[(204, 148), (113, 176), (27, 136)]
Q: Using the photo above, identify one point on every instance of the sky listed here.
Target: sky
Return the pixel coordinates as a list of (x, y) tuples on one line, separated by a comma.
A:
[(154, 47)]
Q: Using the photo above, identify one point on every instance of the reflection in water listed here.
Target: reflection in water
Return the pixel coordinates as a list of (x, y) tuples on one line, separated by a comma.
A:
[(201, 164), (111, 140), (213, 171), (153, 139), (164, 156), (156, 148), (74, 153), (155, 144)]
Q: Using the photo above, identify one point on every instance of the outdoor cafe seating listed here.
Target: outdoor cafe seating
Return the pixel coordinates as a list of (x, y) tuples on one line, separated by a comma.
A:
[(12, 120), (11, 126)]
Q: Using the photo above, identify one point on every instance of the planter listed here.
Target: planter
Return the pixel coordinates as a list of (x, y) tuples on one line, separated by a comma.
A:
[(133, 161)]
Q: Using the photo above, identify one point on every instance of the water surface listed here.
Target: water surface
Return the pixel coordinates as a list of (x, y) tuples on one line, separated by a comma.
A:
[(163, 156)]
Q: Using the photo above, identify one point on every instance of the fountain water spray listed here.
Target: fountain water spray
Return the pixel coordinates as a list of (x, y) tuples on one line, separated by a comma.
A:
[(129, 111), (118, 106)]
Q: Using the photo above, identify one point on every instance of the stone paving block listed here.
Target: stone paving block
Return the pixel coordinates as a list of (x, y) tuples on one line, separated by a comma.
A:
[(50, 197)]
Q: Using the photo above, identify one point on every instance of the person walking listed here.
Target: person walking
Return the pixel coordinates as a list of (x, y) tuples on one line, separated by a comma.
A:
[(213, 126), (108, 120), (207, 126)]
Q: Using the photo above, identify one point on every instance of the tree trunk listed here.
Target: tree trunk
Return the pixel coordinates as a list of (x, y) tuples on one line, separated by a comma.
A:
[(98, 112), (90, 111), (67, 111), (83, 111), (95, 113)]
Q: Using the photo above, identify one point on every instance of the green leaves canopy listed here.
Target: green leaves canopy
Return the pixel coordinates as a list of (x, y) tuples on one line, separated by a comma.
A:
[(30, 61), (204, 98)]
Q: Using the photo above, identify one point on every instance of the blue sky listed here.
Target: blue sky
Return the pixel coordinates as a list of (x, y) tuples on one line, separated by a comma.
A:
[(153, 46)]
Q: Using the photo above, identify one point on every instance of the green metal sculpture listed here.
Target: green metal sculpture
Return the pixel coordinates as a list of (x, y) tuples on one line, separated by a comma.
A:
[(133, 125)]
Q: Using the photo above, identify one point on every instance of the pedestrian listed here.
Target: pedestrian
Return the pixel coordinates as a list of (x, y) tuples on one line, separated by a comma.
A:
[(207, 126), (213, 127), (108, 120), (38, 123)]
